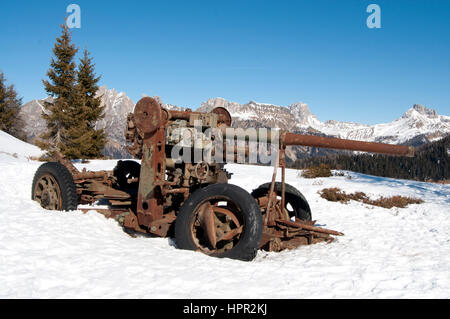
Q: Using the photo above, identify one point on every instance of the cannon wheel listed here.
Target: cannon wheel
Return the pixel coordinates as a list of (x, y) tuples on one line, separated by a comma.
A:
[(220, 220), (296, 203), (53, 187), (125, 170)]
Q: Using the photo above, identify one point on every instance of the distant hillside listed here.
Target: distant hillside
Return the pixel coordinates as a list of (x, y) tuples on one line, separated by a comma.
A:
[(431, 163)]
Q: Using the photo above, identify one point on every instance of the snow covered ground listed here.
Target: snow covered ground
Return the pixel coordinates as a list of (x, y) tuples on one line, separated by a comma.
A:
[(12, 148), (385, 253)]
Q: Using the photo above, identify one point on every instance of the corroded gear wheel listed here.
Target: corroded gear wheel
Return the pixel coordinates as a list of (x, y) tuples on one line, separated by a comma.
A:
[(201, 170)]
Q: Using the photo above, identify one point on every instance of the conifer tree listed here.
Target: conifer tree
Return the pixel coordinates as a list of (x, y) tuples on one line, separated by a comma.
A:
[(10, 120), (94, 139), (61, 86), (75, 109)]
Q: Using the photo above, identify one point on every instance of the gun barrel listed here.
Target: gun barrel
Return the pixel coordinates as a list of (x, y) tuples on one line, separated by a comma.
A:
[(291, 139)]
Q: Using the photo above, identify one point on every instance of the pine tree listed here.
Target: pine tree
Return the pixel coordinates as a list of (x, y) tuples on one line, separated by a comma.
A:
[(94, 140), (75, 109), (10, 120), (61, 86)]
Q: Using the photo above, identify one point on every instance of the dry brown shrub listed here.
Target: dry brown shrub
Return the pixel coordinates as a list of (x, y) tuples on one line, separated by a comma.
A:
[(334, 195), (337, 195), (322, 170), (395, 201)]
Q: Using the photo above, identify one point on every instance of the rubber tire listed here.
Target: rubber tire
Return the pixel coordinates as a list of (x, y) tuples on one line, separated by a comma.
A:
[(248, 245), (293, 196), (65, 181), (126, 167)]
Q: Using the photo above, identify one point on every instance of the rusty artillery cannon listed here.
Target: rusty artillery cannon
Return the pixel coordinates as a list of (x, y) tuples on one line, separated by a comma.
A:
[(190, 199)]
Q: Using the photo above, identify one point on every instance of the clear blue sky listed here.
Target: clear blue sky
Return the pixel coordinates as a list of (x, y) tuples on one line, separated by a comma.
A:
[(281, 52)]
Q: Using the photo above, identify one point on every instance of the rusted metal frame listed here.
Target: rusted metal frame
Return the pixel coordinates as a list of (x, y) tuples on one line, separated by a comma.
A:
[(114, 202), (132, 136), (307, 227), (290, 231), (164, 223), (305, 222), (262, 202), (228, 213), (206, 218), (85, 198), (130, 221), (98, 185), (230, 235), (286, 234), (285, 237), (64, 161), (180, 190), (283, 177), (152, 176), (99, 188), (92, 175), (281, 213), (272, 187)]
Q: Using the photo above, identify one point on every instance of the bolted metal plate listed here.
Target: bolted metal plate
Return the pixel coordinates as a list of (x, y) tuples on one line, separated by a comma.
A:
[(148, 115)]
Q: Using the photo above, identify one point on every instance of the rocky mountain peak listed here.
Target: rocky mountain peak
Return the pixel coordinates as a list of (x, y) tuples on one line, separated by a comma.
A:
[(303, 115), (300, 110), (212, 103), (422, 110), (217, 102)]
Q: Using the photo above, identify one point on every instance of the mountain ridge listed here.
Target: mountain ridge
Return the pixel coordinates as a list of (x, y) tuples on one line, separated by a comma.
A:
[(418, 125)]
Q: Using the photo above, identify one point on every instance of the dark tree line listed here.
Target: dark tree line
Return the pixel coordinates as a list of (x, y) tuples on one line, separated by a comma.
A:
[(431, 163), (10, 102)]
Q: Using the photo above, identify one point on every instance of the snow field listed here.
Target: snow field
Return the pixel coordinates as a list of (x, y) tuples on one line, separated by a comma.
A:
[(385, 253)]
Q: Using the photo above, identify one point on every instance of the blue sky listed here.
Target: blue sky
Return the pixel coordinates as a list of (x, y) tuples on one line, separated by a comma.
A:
[(318, 52)]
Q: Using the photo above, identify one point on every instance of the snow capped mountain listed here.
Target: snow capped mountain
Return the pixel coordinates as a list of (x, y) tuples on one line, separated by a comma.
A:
[(117, 106), (417, 121), (417, 126), (252, 114)]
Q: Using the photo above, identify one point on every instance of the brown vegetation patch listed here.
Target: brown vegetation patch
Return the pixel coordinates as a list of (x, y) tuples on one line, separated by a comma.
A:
[(317, 171), (337, 195)]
